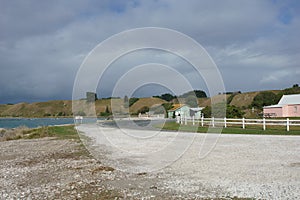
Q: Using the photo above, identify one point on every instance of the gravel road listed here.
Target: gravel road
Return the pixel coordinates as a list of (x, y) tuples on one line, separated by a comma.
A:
[(244, 166), (249, 166)]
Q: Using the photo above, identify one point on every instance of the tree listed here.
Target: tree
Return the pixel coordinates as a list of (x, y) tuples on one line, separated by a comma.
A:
[(231, 111), (132, 101), (144, 109), (234, 112), (200, 94), (192, 101), (167, 106), (106, 109), (293, 90), (265, 98), (166, 97), (197, 93), (207, 111), (106, 113)]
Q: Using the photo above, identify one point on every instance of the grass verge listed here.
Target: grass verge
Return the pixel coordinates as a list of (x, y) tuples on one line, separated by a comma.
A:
[(254, 130), (59, 132)]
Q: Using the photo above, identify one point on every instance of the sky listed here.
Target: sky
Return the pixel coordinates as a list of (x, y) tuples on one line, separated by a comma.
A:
[(255, 44)]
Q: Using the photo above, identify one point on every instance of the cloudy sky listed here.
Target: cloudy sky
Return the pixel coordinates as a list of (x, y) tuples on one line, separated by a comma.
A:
[(255, 44)]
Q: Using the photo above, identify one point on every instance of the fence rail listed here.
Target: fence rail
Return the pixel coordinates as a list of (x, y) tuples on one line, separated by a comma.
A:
[(242, 122)]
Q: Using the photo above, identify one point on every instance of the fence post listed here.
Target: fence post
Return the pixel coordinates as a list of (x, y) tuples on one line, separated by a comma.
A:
[(181, 119), (243, 122), (213, 121), (185, 120), (264, 124), (202, 118), (225, 125), (287, 124), (193, 120)]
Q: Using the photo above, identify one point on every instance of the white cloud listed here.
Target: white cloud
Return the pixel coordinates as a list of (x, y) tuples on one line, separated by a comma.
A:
[(50, 40)]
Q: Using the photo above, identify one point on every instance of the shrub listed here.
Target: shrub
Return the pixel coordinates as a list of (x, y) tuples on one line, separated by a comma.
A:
[(81, 113), (192, 101), (132, 101), (197, 93), (166, 97), (265, 99), (143, 109)]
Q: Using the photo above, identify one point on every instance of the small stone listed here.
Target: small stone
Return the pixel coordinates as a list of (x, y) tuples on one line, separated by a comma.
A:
[(153, 187)]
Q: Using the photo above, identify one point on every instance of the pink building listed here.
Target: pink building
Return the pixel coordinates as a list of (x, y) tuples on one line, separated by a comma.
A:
[(288, 106)]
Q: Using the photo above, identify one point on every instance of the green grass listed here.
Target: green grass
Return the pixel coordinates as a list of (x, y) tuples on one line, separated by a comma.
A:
[(60, 132), (255, 130)]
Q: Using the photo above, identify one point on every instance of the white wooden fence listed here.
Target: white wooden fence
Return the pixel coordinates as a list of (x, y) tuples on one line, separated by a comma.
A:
[(242, 122)]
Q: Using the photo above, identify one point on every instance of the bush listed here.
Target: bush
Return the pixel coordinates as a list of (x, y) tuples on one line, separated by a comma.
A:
[(143, 109), (231, 111), (192, 101), (293, 90), (166, 97), (234, 112), (167, 106), (132, 101), (81, 113), (61, 114), (207, 111), (197, 93), (265, 99)]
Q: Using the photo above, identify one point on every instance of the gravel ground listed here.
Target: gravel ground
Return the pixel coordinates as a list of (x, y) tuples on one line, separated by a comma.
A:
[(245, 166), (261, 167), (51, 169)]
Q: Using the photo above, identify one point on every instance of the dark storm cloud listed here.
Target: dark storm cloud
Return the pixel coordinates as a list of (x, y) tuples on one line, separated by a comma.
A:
[(42, 43)]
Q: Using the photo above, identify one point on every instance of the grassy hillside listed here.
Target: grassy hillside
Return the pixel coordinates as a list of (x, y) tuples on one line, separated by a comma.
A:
[(148, 102), (244, 100), (63, 108), (203, 102), (40, 109)]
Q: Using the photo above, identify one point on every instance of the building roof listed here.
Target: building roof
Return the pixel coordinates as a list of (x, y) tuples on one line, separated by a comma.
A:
[(176, 107), (289, 99), (197, 109), (286, 100), (274, 106)]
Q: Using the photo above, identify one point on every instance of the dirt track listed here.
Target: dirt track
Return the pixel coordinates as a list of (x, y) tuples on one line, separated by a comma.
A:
[(262, 167)]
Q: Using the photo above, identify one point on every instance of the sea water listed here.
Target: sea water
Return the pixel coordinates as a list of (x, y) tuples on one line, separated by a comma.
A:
[(36, 122)]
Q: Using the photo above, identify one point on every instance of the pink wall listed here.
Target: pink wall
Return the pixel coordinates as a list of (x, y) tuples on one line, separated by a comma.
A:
[(293, 111), (273, 112), (284, 111)]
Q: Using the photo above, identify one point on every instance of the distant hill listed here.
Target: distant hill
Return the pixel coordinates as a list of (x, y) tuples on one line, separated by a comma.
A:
[(40, 109), (148, 102), (245, 99), (63, 108)]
